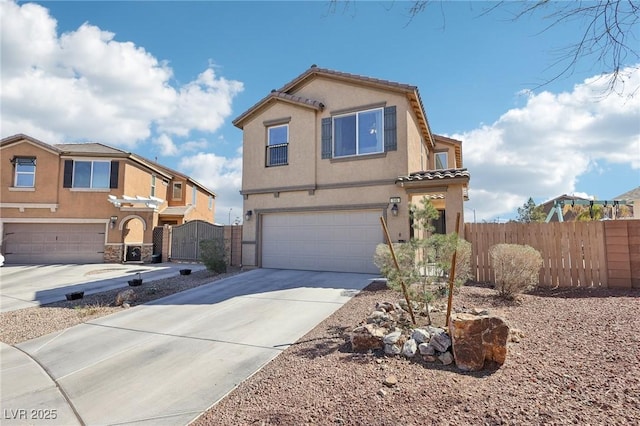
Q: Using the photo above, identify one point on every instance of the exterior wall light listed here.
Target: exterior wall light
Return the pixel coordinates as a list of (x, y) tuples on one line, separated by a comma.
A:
[(248, 215), (394, 209), (113, 221)]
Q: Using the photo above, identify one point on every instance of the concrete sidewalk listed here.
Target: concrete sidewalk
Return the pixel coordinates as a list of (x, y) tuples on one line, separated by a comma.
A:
[(166, 362), (25, 286)]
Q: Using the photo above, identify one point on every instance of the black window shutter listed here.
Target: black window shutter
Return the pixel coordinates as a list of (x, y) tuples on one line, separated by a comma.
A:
[(113, 180), (68, 174), (390, 134), (326, 137)]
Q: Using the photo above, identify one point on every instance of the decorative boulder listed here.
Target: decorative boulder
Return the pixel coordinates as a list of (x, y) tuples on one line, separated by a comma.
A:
[(125, 296), (420, 335), (367, 337), (477, 339), (409, 348)]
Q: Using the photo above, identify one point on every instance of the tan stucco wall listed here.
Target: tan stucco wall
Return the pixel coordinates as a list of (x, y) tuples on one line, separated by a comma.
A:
[(309, 182)]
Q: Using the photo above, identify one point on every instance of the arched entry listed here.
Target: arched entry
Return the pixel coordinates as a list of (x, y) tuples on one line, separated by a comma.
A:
[(133, 228)]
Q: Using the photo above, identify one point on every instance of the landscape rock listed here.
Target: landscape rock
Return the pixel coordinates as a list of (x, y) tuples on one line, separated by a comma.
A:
[(446, 358), (440, 340), (392, 349), (128, 295), (378, 317), (477, 339), (420, 335), (392, 337), (426, 349), (390, 381), (409, 348), (367, 337)]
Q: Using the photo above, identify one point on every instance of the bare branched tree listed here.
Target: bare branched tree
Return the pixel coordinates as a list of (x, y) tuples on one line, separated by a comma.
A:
[(610, 32)]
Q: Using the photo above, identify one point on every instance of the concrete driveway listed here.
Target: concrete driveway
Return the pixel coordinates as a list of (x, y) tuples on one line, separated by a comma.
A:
[(25, 286), (166, 362)]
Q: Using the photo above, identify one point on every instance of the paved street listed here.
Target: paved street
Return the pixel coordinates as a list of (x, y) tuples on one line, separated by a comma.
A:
[(166, 362)]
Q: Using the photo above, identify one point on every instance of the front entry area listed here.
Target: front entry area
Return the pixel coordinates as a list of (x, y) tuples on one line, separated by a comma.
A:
[(338, 241), (45, 243)]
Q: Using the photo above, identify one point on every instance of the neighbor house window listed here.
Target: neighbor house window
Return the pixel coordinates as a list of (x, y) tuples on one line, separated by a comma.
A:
[(25, 168), (153, 186), (358, 134), (210, 202), (278, 145), (177, 191), (91, 174), (194, 195), (441, 161)]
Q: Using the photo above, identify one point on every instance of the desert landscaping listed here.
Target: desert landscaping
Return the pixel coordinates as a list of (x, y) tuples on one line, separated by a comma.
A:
[(574, 360)]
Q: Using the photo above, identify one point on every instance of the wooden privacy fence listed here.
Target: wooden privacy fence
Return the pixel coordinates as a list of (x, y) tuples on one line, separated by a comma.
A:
[(575, 254)]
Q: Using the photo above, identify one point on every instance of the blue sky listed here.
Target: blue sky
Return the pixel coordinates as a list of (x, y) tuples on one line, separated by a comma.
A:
[(166, 79)]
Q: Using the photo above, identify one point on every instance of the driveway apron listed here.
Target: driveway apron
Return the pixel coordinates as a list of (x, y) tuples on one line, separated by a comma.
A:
[(166, 362)]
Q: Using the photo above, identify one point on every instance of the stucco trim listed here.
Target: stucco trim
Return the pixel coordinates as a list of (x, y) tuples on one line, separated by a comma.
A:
[(357, 184), (358, 157), (278, 189), (276, 121), (132, 216), (22, 206), (323, 209), (358, 108), (21, 189)]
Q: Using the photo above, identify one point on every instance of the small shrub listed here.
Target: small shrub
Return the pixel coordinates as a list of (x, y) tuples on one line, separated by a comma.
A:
[(212, 254), (516, 268)]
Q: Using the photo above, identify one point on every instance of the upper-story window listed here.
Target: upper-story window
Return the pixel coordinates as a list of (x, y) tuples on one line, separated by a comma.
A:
[(352, 133), (442, 160), (358, 133), (25, 168), (176, 194), (194, 195), (153, 186), (91, 174), (210, 202), (278, 145)]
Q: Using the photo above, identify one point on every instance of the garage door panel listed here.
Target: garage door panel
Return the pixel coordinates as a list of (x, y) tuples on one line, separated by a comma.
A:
[(54, 243), (323, 241)]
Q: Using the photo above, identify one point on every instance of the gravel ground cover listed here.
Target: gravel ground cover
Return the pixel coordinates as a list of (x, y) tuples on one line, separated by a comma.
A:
[(578, 363)]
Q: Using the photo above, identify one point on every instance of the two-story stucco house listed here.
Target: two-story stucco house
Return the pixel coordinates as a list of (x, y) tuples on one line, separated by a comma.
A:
[(326, 156), (88, 203)]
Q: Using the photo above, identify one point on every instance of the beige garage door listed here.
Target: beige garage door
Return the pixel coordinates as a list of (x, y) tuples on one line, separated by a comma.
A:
[(327, 241), (54, 243)]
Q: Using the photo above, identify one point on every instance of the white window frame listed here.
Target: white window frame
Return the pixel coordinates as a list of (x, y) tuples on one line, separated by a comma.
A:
[(444, 160), (379, 129), (271, 144), (91, 174), (153, 185), (19, 173), (194, 196), (173, 190)]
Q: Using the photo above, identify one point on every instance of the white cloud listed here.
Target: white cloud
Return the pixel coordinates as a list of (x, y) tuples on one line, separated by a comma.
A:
[(224, 176), (166, 145), (86, 85), (541, 149)]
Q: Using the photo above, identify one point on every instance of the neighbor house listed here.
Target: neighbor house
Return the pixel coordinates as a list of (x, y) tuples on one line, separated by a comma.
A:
[(88, 202), (329, 154)]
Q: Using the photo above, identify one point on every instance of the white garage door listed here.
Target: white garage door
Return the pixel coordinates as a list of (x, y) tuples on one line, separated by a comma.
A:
[(54, 243), (327, 241)]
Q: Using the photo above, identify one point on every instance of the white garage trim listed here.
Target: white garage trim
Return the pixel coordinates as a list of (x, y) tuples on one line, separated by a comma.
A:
[(337, 240)]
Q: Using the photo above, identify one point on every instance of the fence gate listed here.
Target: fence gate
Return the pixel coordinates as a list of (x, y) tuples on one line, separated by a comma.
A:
[(185, 239)]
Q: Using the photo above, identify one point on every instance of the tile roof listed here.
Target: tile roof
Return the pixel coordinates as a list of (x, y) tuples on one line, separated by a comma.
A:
[(634, 194), (279, 95), (175, 211), (411, 92), (88, 148), (20, 137), (434, 175)]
